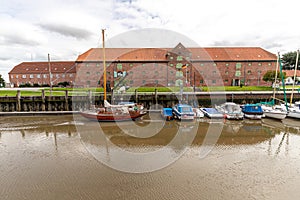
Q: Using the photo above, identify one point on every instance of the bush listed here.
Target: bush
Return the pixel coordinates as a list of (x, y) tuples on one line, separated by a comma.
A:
[(63, 84), (25, 85)]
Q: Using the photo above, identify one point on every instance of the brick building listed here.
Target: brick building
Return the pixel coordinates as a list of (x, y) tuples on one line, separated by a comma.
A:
[(39, 73), (214, 66), (136, 67)]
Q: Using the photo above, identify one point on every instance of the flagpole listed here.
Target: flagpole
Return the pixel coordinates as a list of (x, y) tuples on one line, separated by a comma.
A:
[(104, 64)]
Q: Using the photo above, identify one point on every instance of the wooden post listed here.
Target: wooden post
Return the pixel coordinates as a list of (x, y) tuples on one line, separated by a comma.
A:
[(90, 99), (66, 101), (18, 100), (43, 101), (136, 96), (156, 98)]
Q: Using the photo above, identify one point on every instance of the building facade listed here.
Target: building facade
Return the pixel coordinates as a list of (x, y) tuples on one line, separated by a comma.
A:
[(43, 73), (137, 67)]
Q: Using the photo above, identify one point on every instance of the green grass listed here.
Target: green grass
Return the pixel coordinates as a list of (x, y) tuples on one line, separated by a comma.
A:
[(159, 89), (84, 91), (205, 89), (238, 88), (49, 92)]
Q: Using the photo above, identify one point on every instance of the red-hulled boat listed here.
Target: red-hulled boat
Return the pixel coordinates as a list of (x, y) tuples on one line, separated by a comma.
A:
[(112, 113)]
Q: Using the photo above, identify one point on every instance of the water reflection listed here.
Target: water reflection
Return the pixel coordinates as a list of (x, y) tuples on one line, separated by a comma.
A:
[(47, 154), (127, 134)]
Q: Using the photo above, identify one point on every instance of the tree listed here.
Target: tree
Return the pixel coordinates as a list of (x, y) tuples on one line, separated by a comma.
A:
[(2, 81), (289, 60), (269, 76)]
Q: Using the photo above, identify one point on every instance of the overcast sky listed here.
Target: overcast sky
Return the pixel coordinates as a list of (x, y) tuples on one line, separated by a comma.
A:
[(31, 29)]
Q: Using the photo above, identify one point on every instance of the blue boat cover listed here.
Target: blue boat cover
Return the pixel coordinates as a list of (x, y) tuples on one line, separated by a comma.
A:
[(168, 112), (211, 110), (252, 108)]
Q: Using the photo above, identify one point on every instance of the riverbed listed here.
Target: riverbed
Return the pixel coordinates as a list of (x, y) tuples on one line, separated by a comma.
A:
[(69, 157)]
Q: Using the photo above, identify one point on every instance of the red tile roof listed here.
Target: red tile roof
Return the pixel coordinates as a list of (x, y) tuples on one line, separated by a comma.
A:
[(40, 67), (200, 54)]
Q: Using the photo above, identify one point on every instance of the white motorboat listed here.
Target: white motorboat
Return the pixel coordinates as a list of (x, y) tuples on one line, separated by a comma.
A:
[(275, 112), (230, 110), (212, 113), (198, 113)]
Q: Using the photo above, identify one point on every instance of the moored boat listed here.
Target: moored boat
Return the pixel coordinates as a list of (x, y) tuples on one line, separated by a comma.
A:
[(212, 113), (167, 113), (198, 113), (183, 112), (230, 110), (252, 111), (275, 112), (113, 113), (294, 110)]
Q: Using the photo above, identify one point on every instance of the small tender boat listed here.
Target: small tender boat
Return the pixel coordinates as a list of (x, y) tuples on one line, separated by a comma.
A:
[(212, 113), (230, 110), (198, 113), (252, 111), (183, 112), (167, 113)]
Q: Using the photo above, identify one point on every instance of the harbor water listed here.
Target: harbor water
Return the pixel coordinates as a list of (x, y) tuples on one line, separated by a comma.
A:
[(69, 157)]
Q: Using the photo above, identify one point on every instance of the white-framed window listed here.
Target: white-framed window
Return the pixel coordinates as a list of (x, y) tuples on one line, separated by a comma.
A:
[(31, 76), (38, 76), (24, 76)]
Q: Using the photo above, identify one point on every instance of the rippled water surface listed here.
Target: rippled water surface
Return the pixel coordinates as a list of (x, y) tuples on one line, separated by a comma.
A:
[(68, 157)]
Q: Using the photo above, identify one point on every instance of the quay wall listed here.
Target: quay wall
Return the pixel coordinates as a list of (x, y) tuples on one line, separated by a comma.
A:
[(150, 100)]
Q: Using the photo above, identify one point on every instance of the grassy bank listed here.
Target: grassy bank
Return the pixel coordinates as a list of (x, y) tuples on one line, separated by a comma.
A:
[(80, 91)]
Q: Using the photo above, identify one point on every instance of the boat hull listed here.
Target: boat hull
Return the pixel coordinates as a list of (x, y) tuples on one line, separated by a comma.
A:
[(183, 112), (275, 115), (110, 117), (294, 114), (234, 116), (212, 113), (253, 116)]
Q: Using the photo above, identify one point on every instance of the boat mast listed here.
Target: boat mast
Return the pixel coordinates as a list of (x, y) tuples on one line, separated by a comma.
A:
[(283, 84), (50, 74), (104, 64), (295, 72), (276, 74)]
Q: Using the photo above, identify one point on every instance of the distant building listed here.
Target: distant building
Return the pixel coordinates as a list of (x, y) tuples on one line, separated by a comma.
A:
[(39, 73), (137, 67), (289, 80)]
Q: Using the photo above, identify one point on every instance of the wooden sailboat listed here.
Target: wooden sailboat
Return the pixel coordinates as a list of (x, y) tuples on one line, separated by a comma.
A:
[(113, 113)]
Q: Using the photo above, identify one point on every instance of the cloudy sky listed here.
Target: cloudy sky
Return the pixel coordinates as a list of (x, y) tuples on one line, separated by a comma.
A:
[(31, 29)]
